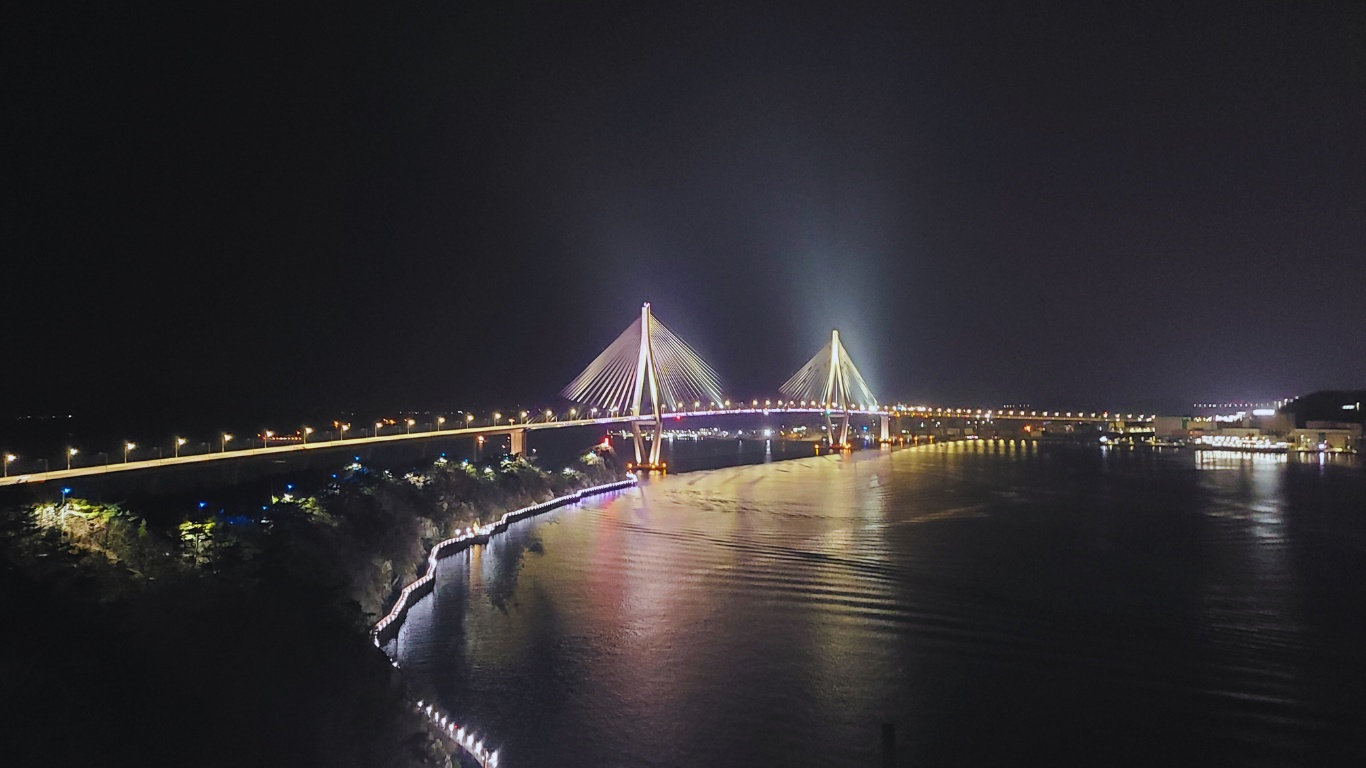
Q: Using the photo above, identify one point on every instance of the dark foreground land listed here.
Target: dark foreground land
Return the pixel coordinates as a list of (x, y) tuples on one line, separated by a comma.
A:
[(163, 632)]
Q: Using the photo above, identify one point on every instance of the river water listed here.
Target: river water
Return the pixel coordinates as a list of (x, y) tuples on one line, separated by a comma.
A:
[(998, 603)]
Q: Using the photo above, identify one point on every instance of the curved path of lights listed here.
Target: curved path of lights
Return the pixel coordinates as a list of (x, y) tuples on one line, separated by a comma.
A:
[(389, 625)]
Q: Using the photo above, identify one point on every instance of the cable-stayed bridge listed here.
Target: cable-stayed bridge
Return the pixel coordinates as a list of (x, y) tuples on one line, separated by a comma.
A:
[(646, 374)]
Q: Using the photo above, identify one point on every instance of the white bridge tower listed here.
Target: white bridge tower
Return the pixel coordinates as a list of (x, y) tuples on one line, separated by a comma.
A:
[(647, 371), (831, 381)]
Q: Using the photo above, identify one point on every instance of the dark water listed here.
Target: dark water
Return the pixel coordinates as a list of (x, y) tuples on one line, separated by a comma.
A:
[(999, 603)]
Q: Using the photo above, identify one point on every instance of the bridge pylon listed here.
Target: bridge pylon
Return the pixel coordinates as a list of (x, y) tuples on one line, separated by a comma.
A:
[(831, 379), (647, 371)]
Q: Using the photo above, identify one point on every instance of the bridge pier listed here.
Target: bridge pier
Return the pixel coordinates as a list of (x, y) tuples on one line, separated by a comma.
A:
[(518, 442), (649, 459), (838, 438)]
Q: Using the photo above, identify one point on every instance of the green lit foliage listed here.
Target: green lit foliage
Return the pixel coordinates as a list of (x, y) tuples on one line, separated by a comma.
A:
[(247, 604)]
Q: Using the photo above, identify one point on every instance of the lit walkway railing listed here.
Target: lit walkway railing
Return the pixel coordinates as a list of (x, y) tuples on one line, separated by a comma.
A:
[(391, 623)]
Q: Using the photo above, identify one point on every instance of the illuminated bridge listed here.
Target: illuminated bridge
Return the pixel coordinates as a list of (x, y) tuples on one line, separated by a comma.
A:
[(646, 374)]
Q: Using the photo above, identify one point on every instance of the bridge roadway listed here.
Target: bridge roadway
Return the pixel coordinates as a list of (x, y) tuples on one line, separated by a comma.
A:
[(532, 426), (1096, 417), (356, 442)]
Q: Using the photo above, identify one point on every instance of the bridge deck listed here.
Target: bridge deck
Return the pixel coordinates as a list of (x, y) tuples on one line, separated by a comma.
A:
[(505, 429)]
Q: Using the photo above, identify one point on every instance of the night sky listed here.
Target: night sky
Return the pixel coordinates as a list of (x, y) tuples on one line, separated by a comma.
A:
[(447, 205)]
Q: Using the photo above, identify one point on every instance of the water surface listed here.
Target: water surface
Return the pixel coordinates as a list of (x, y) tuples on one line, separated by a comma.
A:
[(1000, 603)]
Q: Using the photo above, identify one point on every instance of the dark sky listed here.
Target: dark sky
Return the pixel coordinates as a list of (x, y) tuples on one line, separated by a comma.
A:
[(450, 204)]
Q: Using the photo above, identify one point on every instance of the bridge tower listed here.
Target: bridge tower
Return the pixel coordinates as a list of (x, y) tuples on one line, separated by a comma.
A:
[(667, 374), (646, 372), (832, 380)]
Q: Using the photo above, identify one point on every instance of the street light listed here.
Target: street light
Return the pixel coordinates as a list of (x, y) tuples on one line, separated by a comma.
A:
[(439, 421), (69, 453), (469, 419), (523, 417), (223, 444), (266, 435), (549, 415), (410, 424), (341, 431), (126, 448), (179, 441), (307, 431), (497, 417), (573, 413), (9, 457)]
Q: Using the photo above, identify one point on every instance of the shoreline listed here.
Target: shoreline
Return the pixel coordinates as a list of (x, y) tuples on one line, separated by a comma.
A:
[(388, 627)]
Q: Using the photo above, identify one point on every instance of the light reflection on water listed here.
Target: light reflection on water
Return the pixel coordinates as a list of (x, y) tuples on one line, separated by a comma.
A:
[(1000, 602)]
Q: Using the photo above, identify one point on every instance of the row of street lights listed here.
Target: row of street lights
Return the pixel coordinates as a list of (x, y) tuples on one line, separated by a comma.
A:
[(408, 423)]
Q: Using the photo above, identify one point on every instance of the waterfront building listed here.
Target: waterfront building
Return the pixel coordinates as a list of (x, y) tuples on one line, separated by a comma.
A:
[(1332, 436)]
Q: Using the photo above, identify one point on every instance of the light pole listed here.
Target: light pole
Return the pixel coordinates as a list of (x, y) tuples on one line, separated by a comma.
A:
[(523, 417), (497, 417), (439, 421), (341, 431), (179, 441), (9, 457), (126, 448), (469, 419), (306, 432), (378, 424), (266, 435), (69, 453), (410, 423), (223, 445), (573, 413)]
